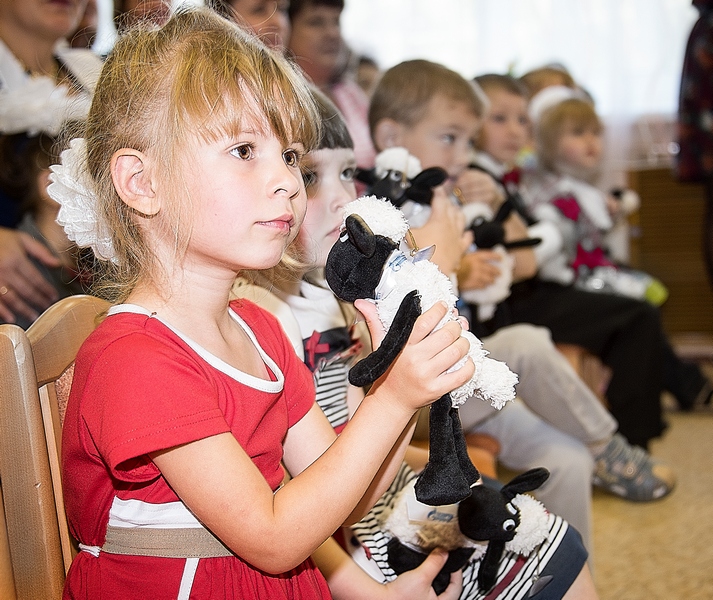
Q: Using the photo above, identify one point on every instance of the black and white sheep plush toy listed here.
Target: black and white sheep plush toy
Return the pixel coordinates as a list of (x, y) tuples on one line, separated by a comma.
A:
[(483, 526), (367, 262), (398, 177)]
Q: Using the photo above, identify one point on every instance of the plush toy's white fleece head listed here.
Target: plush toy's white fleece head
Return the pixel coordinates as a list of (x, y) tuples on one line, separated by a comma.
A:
[(382, 217), (427, 535), (533, 526), (397, 159)]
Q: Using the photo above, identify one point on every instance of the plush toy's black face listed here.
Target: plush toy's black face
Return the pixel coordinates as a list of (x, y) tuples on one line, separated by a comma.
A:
[(486, 515), (356, 261), (396, 188)]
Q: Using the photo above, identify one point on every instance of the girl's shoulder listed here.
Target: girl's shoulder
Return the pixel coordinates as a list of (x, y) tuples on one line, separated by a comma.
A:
[(257, 300)]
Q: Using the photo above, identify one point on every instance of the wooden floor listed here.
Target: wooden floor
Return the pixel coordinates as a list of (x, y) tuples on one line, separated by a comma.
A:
[(662, 550)]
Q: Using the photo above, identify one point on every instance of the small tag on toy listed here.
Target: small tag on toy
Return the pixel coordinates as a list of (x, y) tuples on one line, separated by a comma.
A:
[(418, 512), (423, 254)]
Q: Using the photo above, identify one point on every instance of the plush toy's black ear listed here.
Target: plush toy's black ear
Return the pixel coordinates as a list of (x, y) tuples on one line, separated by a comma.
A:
[(487, 234), (525, 482), (421, 188), (360, 235), (430, 178), (367, 176)]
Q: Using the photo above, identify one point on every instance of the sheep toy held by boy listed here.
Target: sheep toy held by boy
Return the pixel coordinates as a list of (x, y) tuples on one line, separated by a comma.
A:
[(368, 262)]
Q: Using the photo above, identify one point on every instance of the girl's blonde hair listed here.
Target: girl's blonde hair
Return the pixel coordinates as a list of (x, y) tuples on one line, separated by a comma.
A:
[(198, 75), (570, 113)]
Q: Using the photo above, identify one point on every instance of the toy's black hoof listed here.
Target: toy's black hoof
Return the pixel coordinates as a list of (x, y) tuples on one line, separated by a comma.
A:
[(441, 484)]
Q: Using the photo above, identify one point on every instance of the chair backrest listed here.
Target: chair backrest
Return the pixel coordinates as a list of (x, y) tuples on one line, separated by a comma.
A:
[(35, 371)]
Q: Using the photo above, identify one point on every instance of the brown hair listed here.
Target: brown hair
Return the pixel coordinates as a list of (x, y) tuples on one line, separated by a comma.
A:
[(505, 83), (297, 6), (573, 112), (22, 158), (404, 92), (538, 79), (199, 74)]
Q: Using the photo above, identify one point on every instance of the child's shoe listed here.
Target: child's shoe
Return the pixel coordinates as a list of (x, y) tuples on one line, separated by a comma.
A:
[(630, 472)]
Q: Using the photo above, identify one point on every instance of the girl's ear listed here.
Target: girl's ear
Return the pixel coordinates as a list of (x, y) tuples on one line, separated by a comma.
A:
[(388, 134), (133, 181)]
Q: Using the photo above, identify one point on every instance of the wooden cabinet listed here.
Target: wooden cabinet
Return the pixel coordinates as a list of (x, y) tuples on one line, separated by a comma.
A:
[(666, 241)]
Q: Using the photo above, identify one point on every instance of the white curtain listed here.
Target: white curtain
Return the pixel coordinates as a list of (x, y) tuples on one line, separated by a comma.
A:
[(626, 53)]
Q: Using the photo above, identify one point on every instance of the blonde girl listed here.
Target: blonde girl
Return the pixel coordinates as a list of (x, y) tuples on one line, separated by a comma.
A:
[(184, 405)]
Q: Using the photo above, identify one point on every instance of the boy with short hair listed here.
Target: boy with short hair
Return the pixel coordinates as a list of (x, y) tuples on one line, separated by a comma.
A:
[(436, 115)]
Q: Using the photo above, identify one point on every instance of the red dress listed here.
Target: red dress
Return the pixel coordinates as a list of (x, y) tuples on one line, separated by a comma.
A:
[(139, 387)]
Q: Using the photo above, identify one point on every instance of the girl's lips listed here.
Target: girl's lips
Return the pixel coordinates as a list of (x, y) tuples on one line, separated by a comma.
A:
[(284, 223)]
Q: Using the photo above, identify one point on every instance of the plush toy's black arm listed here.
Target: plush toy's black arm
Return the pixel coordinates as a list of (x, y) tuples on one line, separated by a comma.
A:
[(369, 369)]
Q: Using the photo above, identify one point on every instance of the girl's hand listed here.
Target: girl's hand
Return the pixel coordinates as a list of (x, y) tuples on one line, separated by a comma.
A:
[(478, 186), (416, 584), (418, 375), (478, 270), (444, 230)]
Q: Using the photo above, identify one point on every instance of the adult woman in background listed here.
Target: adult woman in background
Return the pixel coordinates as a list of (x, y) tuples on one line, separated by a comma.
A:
[(318, 48), (35, 60), (266, 18)]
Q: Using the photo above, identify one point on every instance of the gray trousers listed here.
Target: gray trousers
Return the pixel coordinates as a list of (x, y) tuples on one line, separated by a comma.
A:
[(550, 424)]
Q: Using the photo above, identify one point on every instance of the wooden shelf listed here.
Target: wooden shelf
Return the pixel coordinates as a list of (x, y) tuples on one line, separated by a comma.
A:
[(666, 241)]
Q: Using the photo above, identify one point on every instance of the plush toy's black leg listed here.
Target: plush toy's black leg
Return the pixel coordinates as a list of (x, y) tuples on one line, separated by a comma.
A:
[(470, 472), (442, 481), (402, 559), (488, 569)]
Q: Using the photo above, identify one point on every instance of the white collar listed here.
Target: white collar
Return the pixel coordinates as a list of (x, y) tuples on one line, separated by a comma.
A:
[(487, 162), (263, 385)]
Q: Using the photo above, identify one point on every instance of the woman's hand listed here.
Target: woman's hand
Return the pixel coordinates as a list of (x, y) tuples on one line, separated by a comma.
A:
[(23, 289)]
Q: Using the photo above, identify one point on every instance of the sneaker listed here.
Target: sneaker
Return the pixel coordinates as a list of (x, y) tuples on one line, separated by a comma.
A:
[(629, 472)]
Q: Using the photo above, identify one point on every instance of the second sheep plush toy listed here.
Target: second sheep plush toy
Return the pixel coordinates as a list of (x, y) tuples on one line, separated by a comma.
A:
[(368, 262)]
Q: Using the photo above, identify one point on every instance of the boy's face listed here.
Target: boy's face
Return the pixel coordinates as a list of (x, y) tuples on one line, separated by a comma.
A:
[(506, 126), (330, 187), (442, 138), (580, 146)]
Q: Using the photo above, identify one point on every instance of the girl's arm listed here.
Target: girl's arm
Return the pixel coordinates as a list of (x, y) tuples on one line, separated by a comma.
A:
[(276, 532), (525, 261), (347, 580)]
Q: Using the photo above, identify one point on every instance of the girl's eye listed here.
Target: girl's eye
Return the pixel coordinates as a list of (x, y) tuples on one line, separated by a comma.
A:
[(243, 152), (449, 138), (291, 158), (497, 118), (348, 174)]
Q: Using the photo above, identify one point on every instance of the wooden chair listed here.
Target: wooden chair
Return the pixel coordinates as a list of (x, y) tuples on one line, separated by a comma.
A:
[(35, 370)]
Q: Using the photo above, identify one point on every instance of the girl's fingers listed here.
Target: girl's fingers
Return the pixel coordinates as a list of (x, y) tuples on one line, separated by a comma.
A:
[(427, 322), (371, 316)]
